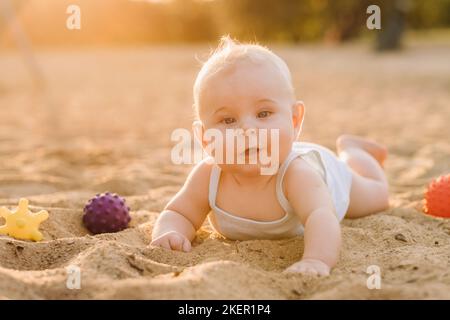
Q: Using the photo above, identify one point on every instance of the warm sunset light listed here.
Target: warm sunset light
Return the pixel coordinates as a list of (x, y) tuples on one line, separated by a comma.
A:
[(253, 150)]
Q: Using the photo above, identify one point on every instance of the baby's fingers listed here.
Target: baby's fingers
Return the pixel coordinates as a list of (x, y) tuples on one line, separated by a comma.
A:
[(172, 241), (187, 245), (308, 270), (180, 243), (302, 269), (291, 269), (162, 242), (176, 242)]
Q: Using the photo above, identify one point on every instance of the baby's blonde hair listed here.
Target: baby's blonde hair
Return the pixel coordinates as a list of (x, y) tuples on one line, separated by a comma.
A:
[(229, 52)]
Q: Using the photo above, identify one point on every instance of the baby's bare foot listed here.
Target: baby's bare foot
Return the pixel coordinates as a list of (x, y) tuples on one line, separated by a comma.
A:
[(378, 151)]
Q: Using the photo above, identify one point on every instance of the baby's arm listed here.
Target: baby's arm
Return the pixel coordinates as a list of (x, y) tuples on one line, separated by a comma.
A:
[(309, 196), (177, 224)]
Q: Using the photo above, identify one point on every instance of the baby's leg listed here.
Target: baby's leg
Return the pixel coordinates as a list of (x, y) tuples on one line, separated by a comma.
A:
[(369, 192)]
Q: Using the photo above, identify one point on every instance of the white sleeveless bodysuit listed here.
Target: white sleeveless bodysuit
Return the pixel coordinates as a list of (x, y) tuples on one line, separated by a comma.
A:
[(334, 171)]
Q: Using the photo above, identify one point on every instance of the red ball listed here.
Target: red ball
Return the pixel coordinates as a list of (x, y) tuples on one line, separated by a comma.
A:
[(437, 197)]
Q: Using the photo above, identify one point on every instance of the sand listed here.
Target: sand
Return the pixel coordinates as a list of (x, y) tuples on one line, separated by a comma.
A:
[(104, 123)]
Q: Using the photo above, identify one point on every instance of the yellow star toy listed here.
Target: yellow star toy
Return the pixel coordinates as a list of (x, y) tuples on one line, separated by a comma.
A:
[(22, 223)]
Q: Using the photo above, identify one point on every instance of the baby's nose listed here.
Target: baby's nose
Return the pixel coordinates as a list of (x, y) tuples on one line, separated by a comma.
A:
[(248, 124)]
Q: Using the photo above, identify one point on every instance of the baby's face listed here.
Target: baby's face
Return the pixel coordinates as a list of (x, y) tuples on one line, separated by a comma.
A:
[(251, 95)]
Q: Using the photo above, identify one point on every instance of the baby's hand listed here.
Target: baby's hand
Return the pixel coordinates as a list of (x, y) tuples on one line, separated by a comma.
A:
[(172, 240), (309, 266)]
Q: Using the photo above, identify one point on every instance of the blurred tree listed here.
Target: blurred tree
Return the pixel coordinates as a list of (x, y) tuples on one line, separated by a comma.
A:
[(193, 21), (142, 21), (426, 14), (345, 19), (8, 13), (393, 24)]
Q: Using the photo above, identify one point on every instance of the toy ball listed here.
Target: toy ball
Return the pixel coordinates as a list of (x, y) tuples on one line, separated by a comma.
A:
[(437, 197), (106, 213)]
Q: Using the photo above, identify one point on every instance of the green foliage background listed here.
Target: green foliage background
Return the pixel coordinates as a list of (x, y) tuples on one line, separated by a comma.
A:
[(293, 21)]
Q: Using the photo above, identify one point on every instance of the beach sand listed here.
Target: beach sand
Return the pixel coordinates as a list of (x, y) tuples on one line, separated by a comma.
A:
[(104, 124)]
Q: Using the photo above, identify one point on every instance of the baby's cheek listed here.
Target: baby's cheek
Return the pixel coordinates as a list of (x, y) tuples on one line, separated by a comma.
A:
[(282, 138)]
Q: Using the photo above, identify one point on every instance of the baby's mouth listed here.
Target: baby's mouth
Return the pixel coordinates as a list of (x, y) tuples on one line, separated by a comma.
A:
[(251, 151)]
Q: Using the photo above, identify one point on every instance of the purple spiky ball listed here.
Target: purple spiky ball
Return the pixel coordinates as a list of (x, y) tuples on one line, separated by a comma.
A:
[(105, 213)]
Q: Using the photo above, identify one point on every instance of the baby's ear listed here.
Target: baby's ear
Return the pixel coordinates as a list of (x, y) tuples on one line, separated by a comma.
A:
[(298, 114), (198, 128)]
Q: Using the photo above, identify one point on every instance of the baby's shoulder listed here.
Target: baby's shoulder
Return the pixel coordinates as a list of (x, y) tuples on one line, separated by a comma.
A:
[(302, 179), (301, 174), (201, 173)]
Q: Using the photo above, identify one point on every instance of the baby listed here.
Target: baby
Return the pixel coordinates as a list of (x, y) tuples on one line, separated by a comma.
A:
[(248, 87)]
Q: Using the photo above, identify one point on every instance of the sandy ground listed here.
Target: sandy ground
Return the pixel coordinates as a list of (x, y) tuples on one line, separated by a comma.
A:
[(105, 123)]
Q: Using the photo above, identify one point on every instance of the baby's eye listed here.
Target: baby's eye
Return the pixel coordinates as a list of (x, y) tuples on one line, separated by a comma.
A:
[(264, 114), (228, 120)]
